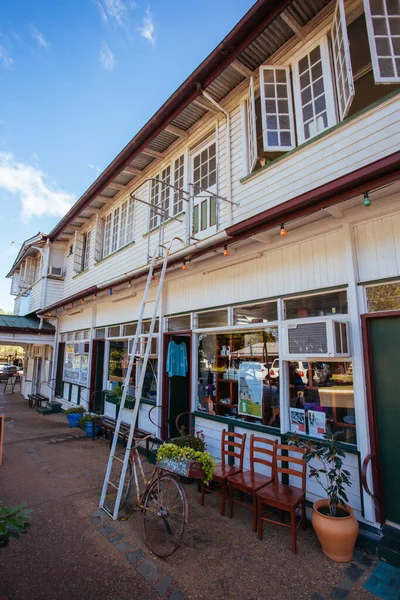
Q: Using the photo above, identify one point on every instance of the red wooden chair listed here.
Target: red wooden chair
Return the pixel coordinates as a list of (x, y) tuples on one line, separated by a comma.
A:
[(285, 498), (232, 444), (251, 481)]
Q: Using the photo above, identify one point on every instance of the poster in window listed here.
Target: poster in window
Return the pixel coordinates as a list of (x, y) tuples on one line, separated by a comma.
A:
[(297, 420), (250, 389), (316, 423), (84, 369)]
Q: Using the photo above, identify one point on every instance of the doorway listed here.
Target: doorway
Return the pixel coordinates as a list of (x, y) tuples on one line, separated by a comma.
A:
[(59, 387), (176, 387), (37, 375), (96, 377), (382, 346)]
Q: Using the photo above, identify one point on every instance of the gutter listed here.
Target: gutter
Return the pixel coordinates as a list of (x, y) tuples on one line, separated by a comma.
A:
[(246, 31)]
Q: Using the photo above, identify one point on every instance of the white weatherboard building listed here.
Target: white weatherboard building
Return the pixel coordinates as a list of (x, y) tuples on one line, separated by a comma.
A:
[(276, 163)]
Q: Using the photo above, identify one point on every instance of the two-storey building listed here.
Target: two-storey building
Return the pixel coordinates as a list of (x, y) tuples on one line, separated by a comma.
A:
[(276, 164)]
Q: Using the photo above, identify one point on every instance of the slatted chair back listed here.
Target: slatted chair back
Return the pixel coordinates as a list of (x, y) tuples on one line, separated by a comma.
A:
[(285, 464), (232, 444), (262, 451)]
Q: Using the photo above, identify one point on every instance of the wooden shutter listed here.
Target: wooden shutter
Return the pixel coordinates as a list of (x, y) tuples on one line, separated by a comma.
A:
[(78, 252), (98, 241), (276, 109), (342, 61), (251, 127), (383, 26)]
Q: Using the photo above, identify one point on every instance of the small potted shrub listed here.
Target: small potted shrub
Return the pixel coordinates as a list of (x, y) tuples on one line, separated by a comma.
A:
[(333, 519), (74, 415), (86, 423), (194, 440)]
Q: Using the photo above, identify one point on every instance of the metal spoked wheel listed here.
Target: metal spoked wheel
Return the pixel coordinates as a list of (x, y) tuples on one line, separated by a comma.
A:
[(165, 515), (115, 477)]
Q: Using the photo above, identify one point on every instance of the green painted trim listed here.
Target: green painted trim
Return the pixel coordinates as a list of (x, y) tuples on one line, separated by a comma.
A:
[(349, 448), (167, 222), (382, 281), (81, 273), (234, 422), (325, 133), (115, 252)]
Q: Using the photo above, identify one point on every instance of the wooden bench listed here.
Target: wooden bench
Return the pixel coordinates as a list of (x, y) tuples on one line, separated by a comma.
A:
[(36, 400), (107, 424)]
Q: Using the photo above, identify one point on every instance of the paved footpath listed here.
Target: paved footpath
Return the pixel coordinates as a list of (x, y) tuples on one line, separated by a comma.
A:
[(73, 551)]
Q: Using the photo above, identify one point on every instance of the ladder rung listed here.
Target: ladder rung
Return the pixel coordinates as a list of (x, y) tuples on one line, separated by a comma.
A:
[(118, 458), (113, 484)]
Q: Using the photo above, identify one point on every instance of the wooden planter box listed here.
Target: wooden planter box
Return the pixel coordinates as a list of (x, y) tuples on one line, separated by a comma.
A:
[(185, 467)]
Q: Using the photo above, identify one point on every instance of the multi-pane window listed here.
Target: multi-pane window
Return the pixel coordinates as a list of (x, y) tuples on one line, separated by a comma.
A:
[(342, 61), (165, 191), (251, 126), (277, 113), (179, 179), (118, 227), (86, 246), (154, 200), (383, 24), (205, 169)]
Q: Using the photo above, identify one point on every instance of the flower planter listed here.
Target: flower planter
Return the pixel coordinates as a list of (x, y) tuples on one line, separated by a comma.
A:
[(337, 535), (185, 467), (73, 419), (89, 429)]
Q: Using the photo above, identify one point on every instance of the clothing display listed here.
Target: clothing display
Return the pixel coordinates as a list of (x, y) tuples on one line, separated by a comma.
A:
[(177, 362)]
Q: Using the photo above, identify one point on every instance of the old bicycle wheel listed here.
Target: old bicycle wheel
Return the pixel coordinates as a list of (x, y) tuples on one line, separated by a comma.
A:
[(165, 514), (115, 477)]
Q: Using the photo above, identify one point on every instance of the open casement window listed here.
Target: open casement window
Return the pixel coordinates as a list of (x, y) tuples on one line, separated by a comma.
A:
[(204, 185), (15, 284), (154, 201), (179, 182), (313, 92), (276, 109), (79, 249), (251, 126), (98, 239), (342, 61), (383, 25), (87, 239)]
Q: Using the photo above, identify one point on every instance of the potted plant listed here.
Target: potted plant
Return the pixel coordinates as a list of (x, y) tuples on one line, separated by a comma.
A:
[(186, 461), (194, 440), (333, 519), (86, 423), (74, 415)]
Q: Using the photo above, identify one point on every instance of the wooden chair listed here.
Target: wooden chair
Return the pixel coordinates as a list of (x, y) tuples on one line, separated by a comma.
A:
[(251, 481), (285, 498), (232, 444)]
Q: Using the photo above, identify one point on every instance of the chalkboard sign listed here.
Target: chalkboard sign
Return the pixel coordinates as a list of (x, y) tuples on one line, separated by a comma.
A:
[(2, 419)]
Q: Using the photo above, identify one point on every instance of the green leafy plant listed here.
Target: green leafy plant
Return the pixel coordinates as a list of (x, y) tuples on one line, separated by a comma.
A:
[(85, 419), (330, 475), (168, 451), (194, 440), (115, 396), (74, 410), (14, 521)]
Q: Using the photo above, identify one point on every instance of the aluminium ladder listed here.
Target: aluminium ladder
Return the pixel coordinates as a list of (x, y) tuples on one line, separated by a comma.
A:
[(138, 388)]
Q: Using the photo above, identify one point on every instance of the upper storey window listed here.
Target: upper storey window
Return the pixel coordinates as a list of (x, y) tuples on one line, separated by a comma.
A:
[(166, 195), (204, 171), (118, 227), (325, 83)]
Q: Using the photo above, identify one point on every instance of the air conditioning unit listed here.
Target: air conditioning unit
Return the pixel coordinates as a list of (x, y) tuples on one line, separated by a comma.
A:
[(55, 272), (81, 347), (317, 339), (141, 347)]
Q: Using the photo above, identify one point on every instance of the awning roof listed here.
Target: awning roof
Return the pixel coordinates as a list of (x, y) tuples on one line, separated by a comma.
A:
[(27, 324), (254, 39)]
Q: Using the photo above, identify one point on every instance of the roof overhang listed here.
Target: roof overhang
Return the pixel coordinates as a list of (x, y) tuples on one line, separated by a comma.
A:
[(27, 248)]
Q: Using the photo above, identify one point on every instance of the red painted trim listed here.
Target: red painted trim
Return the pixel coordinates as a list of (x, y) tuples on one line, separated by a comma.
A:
[(249, 27), (372, 409), (368, 178)]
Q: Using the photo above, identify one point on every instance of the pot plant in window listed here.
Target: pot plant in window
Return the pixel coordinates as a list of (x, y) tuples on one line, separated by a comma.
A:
[(333, 519)]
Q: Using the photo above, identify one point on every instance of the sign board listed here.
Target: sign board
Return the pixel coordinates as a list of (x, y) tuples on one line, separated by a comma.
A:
[(297, 420), (250, 389)]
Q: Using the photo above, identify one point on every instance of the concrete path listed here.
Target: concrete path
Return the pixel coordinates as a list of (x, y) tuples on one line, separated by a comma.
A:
[(73, 551)]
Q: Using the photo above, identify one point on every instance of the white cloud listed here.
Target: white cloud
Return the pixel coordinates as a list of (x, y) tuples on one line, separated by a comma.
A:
[(39, 37), (38, 196), (112, 10), (147, 31), (97, 169), (5, 59), (107, 58)]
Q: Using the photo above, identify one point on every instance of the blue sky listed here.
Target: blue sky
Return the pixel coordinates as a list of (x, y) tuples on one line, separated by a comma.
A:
[(78, 79)]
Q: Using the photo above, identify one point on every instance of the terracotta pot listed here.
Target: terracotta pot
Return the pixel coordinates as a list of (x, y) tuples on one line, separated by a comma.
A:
[(337, 535)]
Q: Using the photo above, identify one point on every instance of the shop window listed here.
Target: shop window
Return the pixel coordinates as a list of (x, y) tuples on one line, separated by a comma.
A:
[(114, 331), (235, 375), (86, 334), (149, 390), (213, 318), (76, 364), (255, 313), (179, 323), (383, 297), (332, 303), (100, 333), (70, 336), (130, 329), (322, 398), (146, 326), (118, 362)]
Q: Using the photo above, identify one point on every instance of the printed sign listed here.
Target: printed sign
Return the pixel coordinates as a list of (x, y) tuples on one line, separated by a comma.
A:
[(316, 423), (250, 389), (297, 420)]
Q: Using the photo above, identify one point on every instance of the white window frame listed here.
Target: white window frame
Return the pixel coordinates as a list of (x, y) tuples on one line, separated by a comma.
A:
[(266, 146), (87, 249), (117, 229), (328, 89), (205, 197), (252, 153), (342, 68), (372, 44), (165, 195)]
